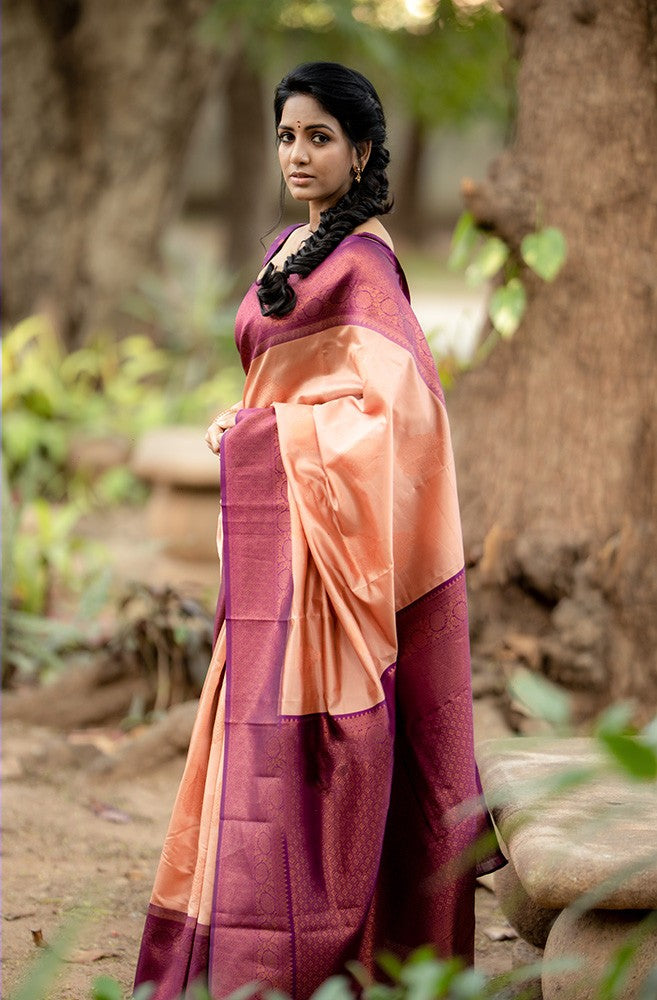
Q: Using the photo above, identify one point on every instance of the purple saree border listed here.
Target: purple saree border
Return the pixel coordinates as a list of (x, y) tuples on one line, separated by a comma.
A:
[(225, 586), (274, 331), (258, 594), (384, 678)]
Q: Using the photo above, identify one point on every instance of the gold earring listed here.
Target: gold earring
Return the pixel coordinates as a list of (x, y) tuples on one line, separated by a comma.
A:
[(358, 173)]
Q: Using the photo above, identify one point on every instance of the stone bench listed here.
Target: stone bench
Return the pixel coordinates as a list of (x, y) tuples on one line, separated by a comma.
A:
[(595, 842), (185, 501)]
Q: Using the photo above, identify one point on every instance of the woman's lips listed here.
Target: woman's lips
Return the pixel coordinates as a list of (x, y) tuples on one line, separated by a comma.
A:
[(300, 178)]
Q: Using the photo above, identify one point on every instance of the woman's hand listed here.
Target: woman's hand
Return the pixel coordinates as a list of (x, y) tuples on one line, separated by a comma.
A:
[(221, 423)]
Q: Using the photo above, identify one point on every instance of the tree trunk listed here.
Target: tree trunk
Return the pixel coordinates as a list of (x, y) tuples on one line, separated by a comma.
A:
[(409, 217), (556, 435), (246, 139), (99, 100)]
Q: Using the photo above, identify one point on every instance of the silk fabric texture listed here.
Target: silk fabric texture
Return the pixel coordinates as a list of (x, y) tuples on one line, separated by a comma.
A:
[(329, 806)]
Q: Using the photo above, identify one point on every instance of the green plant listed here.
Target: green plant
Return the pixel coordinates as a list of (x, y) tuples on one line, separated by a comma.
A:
[(484, 256), (39, 553), (109, 387)]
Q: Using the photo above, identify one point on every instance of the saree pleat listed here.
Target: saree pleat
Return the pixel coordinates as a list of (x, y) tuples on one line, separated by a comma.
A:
[(321, 813)]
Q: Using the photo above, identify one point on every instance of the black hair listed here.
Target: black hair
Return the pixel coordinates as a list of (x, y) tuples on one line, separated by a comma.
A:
[(350, 97)]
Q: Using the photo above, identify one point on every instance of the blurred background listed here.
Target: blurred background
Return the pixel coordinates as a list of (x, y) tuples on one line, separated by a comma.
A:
[(140, 190), (141, 187)]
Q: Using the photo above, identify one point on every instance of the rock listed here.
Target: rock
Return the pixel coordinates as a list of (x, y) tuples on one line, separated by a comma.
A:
[(523, 955), (167, 738), (532, 922), (82, 696), (184, 506), (594, 939), (577, 654), (176, 455), (563, 845), (545, 562), (184, 520), (489, 722), (487, 677), (497, 557), (582, 671), (526, 647), (98, 454)]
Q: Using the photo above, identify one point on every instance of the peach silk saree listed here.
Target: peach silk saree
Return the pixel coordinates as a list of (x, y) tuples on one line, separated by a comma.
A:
[(320, 816)]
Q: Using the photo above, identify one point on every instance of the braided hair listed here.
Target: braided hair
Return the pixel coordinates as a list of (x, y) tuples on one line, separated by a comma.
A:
[(348, 96)]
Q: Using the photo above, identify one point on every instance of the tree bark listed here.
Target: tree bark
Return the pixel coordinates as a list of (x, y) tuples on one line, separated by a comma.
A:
[(556, 435), (409, 217), (99, 100), (247, 132)]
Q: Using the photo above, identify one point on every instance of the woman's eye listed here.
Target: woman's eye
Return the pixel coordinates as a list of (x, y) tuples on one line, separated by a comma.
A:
[(319, 138), (285, 137)]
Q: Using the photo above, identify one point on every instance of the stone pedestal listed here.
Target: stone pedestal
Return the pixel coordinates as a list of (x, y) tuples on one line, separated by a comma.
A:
[(184, 506), (576, 831), (592, 939)]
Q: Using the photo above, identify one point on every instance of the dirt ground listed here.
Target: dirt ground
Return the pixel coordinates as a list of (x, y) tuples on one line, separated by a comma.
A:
[(73, 843)]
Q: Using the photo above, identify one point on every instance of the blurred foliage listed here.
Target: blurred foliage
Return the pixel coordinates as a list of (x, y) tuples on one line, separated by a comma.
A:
[(422, 976), (168, 637), (484, 256), (109, 387), (440, 62), (108, 392), (626, 749), (39, 553)]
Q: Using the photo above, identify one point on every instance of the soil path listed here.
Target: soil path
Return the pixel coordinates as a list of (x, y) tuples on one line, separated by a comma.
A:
[(64, 852)]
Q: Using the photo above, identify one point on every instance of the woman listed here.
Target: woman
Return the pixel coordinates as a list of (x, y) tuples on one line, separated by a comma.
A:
[(318, 817)]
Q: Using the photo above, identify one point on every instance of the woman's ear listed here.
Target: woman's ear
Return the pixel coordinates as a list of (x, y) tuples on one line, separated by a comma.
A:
[(363, 150)]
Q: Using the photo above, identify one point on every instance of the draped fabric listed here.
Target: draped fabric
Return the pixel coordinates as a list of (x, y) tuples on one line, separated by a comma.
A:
[(320, 816)]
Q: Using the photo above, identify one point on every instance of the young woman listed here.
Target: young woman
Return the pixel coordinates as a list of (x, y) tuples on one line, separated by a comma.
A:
[(321, 814)]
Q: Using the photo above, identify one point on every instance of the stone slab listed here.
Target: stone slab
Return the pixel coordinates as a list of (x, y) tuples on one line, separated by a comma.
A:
[(564, 844), (176, 455), (593, 940)]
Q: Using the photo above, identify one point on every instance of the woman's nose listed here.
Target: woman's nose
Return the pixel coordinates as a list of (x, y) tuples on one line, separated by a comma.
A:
[(299, 153)]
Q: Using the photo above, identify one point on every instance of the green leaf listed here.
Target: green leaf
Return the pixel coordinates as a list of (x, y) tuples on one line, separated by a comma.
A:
[(488, 261), (242, 992), (634, 757), (362, 976), (334, 988), (390, 964), (649, 733), (615, 719), (468, 985), (379, 991), (507, 306), (542, 698), (464, 239), (545, 252), (106, 988), (144, 991)]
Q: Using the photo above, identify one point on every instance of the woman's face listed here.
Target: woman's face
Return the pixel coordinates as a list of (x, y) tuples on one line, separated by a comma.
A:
[(315, 155)]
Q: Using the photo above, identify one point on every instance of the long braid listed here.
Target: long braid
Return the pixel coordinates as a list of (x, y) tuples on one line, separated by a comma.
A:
[(363, 201)]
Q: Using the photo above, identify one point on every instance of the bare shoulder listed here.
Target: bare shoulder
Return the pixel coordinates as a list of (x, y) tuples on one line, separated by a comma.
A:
[(377, 228)]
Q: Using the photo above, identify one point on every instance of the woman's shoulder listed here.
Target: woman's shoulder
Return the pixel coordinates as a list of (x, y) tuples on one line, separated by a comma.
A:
[(376, 228)]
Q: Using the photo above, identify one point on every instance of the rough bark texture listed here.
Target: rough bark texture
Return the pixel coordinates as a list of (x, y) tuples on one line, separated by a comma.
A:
[(247, 130), (556, 435), (410, 219), (98, 103)]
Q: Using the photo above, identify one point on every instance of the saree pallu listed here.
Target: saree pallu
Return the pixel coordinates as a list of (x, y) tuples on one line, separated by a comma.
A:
[(320, 816)]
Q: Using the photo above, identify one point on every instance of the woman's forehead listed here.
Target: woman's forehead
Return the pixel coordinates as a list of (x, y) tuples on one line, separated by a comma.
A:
[(302, 110)]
